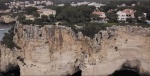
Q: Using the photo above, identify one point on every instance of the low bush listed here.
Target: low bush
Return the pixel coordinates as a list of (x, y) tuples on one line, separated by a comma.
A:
[(7, 40)]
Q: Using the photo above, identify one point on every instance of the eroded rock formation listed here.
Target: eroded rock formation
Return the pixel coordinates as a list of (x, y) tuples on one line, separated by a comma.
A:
[(7, 19), (57, 50)]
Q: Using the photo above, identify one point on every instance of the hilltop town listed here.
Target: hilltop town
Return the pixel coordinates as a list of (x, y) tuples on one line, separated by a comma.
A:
[(51, 38), (31, 12)]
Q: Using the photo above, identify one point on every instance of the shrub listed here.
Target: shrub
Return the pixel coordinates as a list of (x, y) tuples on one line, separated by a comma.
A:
[(7, 40), (91, 29)]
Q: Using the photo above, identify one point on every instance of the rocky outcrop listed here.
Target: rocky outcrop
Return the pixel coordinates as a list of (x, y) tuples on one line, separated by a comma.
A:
[(6, 19), (7, 59), (51, 50), (57, 50), (122, 45)]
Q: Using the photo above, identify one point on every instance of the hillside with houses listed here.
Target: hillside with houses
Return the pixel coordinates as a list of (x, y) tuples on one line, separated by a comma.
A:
[(74, 38), (48, 12)]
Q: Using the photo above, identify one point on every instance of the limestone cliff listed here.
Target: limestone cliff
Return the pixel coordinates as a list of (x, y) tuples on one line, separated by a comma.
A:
[(7, 58), (57, 50)]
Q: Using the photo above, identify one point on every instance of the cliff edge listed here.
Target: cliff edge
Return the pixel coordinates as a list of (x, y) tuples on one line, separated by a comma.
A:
[(57, 50)]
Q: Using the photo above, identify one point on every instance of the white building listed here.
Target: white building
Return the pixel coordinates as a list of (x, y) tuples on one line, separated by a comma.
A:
[(82, 3), (16, 4), (12, 3), (73, 4), (49, 3), (126, 13), (36, 2), (96, 4), (123, 5), (133, 5), (43, 1), (47, 12), (79, 3), (145, 14), (121, 16), (39, 7), (29, 5), (87, 3), (61, 5)]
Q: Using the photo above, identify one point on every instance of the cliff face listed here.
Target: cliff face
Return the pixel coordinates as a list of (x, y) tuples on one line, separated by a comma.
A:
[(50, 50), (7, 59), (57, 50)]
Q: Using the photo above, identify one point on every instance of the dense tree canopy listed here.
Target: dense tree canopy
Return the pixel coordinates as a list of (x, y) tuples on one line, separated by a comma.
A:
[(3, 6), (143, 8), (7, 40), (90, 29), (21, 17), (109, 7), (44, 18), (36, 14), (75, 14), (148, 16), (112, 16), (30, 10)]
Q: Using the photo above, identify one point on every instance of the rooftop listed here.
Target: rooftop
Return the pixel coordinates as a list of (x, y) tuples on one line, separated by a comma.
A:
[(98, 13)]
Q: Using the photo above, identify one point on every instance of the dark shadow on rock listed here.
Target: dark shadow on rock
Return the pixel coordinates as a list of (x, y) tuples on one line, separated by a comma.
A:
[(77, 73), (128, 69), (125, 73), (14, 71)]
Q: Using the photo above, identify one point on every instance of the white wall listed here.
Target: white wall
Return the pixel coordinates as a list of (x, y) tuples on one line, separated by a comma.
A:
[(121, 16)]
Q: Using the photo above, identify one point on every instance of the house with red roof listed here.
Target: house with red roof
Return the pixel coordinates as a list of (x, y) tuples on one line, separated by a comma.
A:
[(126, 13), (129, 13), (100, 14)]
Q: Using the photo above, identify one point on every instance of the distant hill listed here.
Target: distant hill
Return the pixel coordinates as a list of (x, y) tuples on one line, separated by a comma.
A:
[(94, 0), (66, 1)]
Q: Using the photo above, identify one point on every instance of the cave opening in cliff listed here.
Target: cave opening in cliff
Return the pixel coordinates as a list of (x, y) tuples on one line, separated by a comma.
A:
[(125, 72), (78, 73), (15, 71)]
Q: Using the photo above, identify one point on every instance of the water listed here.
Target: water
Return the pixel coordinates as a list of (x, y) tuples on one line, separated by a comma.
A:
[(4, 29)]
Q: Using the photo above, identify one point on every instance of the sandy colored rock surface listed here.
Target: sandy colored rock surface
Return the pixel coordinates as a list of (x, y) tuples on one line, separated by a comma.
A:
[(57, 50)]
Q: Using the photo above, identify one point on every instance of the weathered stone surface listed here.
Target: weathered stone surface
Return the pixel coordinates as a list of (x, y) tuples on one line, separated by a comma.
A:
[(6, 19), (7, 59), (57, 50)]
